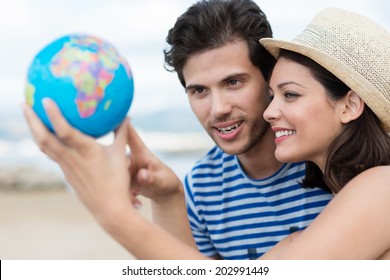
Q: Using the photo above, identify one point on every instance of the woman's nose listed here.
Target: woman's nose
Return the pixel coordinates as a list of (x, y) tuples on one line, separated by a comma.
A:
[(271, 113)]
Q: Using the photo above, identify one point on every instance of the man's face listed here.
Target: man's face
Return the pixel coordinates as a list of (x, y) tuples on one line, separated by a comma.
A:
[(228, 95)]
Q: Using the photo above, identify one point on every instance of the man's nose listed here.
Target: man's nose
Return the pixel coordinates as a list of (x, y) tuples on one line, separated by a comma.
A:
[(221, 105)]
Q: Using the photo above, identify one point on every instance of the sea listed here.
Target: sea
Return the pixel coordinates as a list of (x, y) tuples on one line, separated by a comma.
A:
[(175, 136)]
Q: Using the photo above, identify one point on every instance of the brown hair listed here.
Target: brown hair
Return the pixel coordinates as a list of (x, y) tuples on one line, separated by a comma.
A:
[(211, 24), (362, 144)]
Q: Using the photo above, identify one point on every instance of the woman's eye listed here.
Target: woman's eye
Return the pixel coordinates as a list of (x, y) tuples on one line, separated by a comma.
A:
[(290, 95)]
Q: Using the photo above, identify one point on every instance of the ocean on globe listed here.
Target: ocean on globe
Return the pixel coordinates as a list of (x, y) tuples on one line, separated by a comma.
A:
[(88, 79)]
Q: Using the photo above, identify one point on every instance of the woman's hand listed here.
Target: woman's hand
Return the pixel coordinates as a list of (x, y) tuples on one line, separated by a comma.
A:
[(99, 174)]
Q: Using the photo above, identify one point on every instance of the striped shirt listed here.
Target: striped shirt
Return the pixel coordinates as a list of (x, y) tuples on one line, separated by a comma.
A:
[(236, 217)]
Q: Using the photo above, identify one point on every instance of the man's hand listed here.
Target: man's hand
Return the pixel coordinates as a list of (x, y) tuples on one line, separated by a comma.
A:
[(150, 176), (155, 180)]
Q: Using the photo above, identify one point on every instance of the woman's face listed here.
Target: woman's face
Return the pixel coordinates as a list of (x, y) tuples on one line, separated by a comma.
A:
[(303, 117)]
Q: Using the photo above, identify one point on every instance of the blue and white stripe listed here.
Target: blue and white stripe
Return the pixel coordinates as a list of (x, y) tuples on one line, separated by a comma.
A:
[(237, 217)]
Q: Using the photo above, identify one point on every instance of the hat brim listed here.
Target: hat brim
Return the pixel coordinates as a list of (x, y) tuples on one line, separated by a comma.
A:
[(273, 46), (335, 66)]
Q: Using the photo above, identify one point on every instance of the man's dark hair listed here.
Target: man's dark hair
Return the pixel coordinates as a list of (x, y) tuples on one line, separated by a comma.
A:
[(211, 24)]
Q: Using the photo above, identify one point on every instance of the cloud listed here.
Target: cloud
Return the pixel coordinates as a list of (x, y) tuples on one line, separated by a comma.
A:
[(289, 18), (138, 29)]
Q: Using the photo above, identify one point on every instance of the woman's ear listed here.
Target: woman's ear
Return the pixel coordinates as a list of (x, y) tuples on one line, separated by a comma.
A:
[(353, 107)]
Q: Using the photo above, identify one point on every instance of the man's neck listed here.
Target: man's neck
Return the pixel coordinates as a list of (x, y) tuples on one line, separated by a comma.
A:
[(260, 161)]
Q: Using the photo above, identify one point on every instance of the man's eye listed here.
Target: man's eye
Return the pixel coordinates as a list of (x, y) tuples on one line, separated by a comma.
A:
[(198, 90), (233, 82)]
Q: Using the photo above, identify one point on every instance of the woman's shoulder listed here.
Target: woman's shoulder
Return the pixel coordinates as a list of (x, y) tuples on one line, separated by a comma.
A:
[(372, 178), (361, 214), (370, 187), (381, 169)]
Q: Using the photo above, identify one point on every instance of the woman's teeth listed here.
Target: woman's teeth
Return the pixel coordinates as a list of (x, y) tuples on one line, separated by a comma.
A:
[(282, 133)]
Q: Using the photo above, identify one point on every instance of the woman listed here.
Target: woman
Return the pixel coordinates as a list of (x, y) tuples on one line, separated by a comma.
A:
[(330, 92), (337, 122)]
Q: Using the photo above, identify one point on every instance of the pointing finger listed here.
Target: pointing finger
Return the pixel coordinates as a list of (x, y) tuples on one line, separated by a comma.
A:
[(121, 135), (134, 140)]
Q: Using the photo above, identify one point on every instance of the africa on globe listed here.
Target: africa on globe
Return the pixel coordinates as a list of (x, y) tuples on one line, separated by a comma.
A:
[(88, 79)]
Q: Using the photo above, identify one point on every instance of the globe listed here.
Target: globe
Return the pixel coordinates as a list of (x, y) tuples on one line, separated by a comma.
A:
[(88, 79)]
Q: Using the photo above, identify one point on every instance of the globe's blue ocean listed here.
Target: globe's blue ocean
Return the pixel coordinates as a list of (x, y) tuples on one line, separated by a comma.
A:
[(87, 77)]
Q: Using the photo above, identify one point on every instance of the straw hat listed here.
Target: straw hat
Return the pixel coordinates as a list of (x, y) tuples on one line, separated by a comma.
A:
[(352, 47)]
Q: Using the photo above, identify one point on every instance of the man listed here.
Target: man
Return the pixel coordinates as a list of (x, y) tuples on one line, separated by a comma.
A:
[(241, 201)]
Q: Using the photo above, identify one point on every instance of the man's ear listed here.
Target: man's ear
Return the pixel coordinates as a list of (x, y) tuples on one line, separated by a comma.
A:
[(353, 107)]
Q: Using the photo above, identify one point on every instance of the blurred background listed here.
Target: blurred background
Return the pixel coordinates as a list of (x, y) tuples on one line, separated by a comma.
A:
[(43, 219)]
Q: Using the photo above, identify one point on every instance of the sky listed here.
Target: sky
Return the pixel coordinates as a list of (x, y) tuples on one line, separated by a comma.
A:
[(138, 30)]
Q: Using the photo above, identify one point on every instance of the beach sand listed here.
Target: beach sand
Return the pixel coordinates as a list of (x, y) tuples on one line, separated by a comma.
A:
[(54, 225)]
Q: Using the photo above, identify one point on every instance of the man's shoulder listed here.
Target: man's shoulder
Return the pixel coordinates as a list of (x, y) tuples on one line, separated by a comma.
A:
[(213, 161), (214, 156), (293, 167)]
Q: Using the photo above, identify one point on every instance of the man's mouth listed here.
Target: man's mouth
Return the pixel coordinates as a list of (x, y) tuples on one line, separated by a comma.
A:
[(229, 129)]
